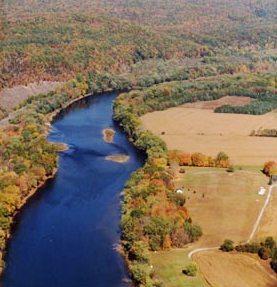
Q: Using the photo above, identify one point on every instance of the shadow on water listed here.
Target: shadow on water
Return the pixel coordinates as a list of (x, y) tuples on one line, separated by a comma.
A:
[(65, 235)]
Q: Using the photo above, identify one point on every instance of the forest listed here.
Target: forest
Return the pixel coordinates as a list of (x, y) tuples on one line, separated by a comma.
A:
[(57, 40)]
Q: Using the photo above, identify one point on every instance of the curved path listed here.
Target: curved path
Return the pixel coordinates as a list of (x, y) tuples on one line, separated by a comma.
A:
[(254, 229)]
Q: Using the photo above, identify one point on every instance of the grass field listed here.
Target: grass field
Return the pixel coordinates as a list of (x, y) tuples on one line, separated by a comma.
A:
[(202, 130), (235, 270), (169, 265), (225, 205)]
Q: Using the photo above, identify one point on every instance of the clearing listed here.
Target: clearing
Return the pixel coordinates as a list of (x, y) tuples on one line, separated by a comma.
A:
[(201, 130)]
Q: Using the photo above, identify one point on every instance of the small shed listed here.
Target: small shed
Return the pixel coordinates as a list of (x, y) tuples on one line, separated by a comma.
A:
[(179, 191), (262, 191)]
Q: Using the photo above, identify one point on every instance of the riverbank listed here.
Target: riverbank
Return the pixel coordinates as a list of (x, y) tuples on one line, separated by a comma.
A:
[(21, 204)]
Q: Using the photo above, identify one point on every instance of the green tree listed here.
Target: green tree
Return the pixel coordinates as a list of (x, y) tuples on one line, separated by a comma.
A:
[(191, 269), (193, 231), (270, 243), (227, 246)]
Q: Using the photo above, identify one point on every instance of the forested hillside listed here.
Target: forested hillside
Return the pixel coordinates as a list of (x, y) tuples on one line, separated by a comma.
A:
[(55, 40)]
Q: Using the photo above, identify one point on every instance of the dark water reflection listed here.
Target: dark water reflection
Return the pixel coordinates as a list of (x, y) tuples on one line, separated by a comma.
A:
[(65, 236)]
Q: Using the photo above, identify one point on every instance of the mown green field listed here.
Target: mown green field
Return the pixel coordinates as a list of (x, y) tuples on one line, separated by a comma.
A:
[(169, 265)]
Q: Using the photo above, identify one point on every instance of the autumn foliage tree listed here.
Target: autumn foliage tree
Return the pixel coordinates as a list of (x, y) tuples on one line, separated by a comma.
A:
[(270, 168)]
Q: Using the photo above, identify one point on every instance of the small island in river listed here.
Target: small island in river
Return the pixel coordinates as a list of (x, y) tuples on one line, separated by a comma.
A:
[(108, 135), (120, 158)]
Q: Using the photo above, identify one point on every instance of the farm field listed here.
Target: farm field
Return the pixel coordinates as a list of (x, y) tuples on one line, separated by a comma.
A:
[(235, 270), (199, 129)]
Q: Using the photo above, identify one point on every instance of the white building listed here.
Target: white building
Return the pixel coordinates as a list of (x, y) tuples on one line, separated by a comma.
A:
[(262, 191)]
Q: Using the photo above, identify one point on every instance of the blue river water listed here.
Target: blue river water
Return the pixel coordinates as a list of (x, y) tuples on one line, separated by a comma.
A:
[(66, 234)]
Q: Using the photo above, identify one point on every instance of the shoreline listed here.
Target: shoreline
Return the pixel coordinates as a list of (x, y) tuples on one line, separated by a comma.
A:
[(33, 192)]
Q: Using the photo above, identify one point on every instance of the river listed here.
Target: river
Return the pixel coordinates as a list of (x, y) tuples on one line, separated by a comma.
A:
[(66, 234)]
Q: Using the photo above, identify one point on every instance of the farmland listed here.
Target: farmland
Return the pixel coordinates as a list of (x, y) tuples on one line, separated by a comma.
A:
[(233, 270), (202, 130)]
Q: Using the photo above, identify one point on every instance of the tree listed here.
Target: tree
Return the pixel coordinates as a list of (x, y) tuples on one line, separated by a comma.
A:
[(179, 238), (157, 229), (227, 246), (19, 167), (274, 259), (184, 159), (222, 156), (191, 269), (199, 159), (178, 198), (222, 160), (167, 242), (139, 252), (268, 166), (270, 243), (193, 231), (264, 253), (140, 273)]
